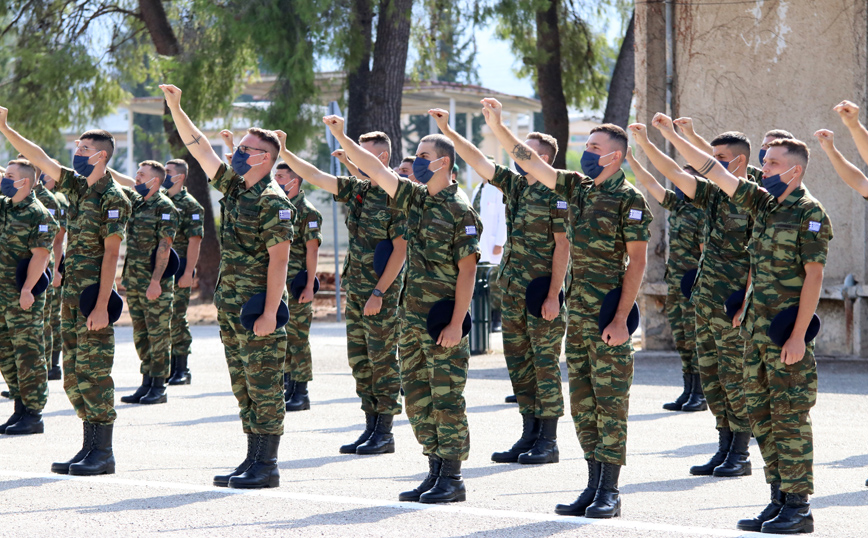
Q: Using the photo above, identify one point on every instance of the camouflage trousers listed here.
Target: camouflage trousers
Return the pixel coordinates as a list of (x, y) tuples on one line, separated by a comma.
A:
[(152, 328), (88, 357), (372, 345), (532, 347), (495, 291), (181, 337), (298, 363), (48, 315), (22, 355), (682, 321), (779, 399), (256, 371), (600, 377), (720, 349), (56, 307), (433, 378)]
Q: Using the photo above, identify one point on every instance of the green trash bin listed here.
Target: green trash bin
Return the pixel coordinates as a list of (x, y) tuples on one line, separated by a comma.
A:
[(480, 310)]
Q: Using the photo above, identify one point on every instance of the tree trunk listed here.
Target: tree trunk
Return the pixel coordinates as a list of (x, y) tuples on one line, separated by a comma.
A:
[(549, 82), (623, 82), (358, 66)]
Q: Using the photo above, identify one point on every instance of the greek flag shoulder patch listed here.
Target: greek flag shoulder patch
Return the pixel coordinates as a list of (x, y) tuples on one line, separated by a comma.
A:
[(43, 227), (285, 214), (561, 204), (195, 216), (313, 224), (167, 216), (470, 230), (635, 214), (114, 213), (52, 211), (813, 226)]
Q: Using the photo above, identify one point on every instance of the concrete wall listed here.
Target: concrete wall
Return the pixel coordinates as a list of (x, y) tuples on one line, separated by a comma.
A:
[(752, 67)]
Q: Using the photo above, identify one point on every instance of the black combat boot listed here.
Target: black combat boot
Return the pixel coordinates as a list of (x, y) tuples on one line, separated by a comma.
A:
[(685, 395), (54, 373), (510, 399), (30, 422), (17, 413), (769, 512), (381, 441), (724, 440), (5, 394), (586, 497), (300, 400), (434, 463), (530, 426), (737, 462), (157, 393), (100, 459), (794, 518), (86, 444), (141, 391), (222, 481), (288, 387), (607, 501), (449, 487), (545, 450), (370, 424), (696, 402), (263, 472), (181, 375)]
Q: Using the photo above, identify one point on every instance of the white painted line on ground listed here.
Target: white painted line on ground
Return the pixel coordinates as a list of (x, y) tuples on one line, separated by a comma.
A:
[(358, 501)]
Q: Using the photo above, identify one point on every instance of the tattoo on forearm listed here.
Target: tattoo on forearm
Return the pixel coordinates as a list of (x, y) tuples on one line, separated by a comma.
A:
[(521, 152), (706, 168), (196, 140), (162, 260)]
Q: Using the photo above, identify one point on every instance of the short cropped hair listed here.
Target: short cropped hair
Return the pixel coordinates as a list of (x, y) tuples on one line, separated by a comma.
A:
[(180, 165), (411, 159), (778, 134), (443, 147), (283, 166), (548, 143), (735, 141), (616, 134), (103, 140), (28, 170), (379, 138), (795, 148), (157, 167), (270, 140)]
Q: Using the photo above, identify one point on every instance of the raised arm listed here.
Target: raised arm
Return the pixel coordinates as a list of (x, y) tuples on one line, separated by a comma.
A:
[(645, 177), (341, 155), (704, 163), (31, 151), (849, 113), (851, 175), (463, 147), (520, 152), (126, 181), (662, 162), (384, 176), (686, 125), (304, 169), (192, 137)]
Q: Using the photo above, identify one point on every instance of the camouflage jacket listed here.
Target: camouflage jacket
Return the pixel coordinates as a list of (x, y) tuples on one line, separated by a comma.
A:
[(95, 213), (534, 213), (605, 218), (309, 223), (26, 225), (152, 220), (63, 206), (786, 236), (190, 214), (686, 233), (370, 219), (253, 220), (47, 198), (441, 230)]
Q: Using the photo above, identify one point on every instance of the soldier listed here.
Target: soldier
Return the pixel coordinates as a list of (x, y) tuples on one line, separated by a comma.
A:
[(609, 243), (28, 231), (303, 256), (537, 247), (774, 134), (97, 220), (56, 294), (723, 272), (686, 234), (442, 251), (788, 252), (150, 234), (405, 169), (188, 239), (256, 231), (372, 299)]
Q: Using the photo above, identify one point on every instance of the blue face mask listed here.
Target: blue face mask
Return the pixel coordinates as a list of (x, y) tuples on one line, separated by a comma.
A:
[(42, 179), (521, 171), (762, 157), (591, 164), (144, 188), (775, 185), (7, 187), (168, 183), (405, 176), (361, 173), (679, 193), (239, 162), (420, 169), (80, 165)]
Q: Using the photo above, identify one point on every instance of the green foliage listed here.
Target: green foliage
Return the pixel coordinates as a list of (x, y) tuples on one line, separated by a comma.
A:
[(445, 40)]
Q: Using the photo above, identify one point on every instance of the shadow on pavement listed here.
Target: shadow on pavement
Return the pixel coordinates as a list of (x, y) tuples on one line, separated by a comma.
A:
[(529, 530), (205, 395), (25, 483), (852, 462), (344, 517), (204, 420), (155, 503), (689, 451), (650, 416), (681, 484), (850, 498), (312, 463)]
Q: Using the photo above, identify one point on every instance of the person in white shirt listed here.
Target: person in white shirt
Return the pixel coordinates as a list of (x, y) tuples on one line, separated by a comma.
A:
[(488, 202)]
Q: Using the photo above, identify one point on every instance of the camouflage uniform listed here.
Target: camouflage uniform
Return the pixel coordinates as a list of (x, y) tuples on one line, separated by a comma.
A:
[(722, 271), (532, 345), (298, 362), (95, 213), (253, 220), (190, 225), (25, 225), (686, 233), (786, 236), (152, 221), (47, 199), (57, 293), (371, 340), (441, 230), (495, 291), (605, 219)]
